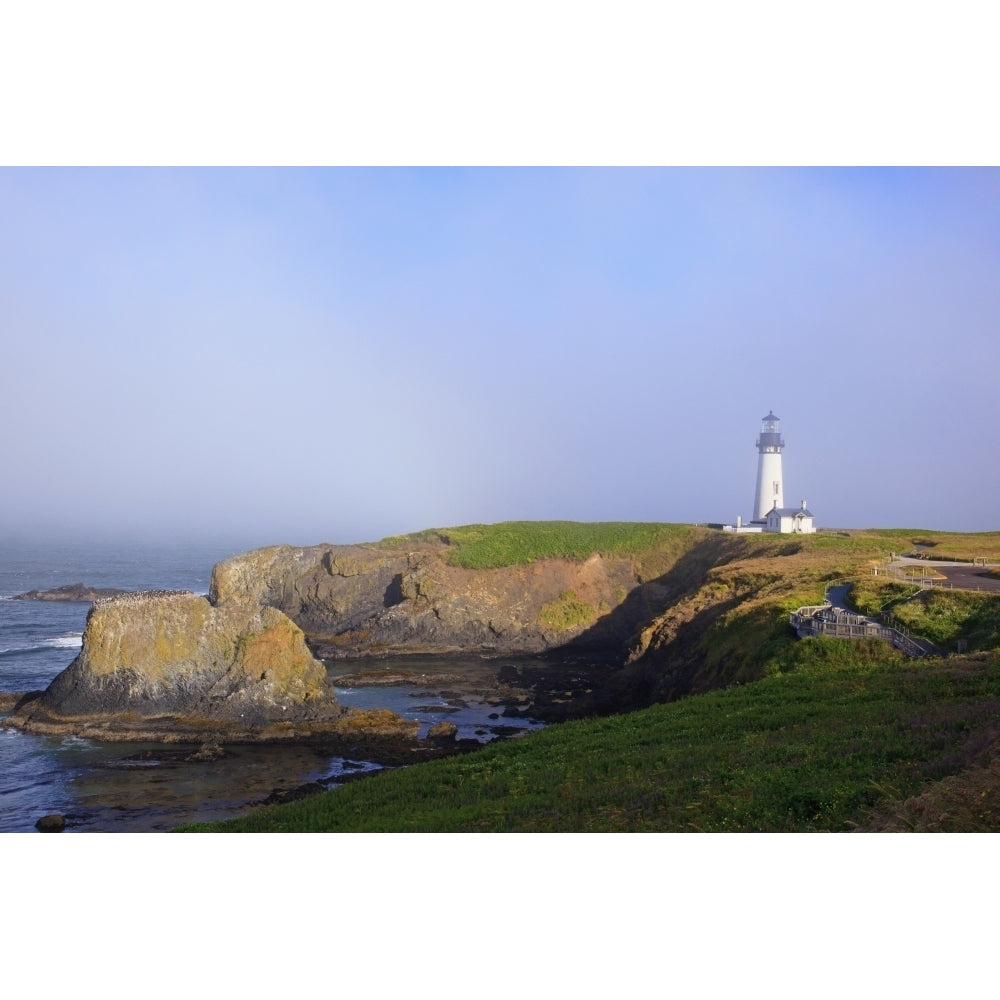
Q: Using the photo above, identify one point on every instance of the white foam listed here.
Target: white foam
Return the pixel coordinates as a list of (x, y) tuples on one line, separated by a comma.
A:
[(73, 640)]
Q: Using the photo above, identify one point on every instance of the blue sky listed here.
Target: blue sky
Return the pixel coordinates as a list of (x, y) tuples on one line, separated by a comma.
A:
[(300, 355)]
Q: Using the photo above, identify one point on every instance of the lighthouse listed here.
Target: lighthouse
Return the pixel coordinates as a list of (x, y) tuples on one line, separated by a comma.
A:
[(769, 510), (769, 489)]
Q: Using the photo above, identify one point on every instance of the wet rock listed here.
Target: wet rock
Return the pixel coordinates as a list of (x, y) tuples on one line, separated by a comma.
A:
[(207, 751), (52, 823), (282, 795), (442, 731), (10, 701)]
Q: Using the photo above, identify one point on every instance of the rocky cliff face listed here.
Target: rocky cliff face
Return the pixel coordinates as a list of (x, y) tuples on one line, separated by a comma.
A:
[(366, 600), (174, 656), (236, 666)]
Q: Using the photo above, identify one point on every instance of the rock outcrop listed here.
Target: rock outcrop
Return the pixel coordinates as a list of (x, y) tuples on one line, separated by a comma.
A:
[(172, 662), (368, 600), (78, 592), (52, 823)]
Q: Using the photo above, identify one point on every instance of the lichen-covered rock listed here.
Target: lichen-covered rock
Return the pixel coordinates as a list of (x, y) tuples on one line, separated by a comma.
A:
[(442, 731), (173, 655)]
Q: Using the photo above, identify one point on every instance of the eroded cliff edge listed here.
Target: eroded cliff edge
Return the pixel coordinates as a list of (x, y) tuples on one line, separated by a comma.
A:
[(359, 600)]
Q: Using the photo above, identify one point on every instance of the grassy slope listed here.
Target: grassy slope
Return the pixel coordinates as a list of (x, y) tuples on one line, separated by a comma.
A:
[(847, 731), (827, 733)]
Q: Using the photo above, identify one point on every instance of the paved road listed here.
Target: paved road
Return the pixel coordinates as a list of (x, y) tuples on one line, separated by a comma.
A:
[(970, 578), (962, 575)]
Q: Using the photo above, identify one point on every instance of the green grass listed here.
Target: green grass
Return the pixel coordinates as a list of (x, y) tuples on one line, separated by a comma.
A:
[(873, 594), (512, 543), (941, 615), (945, 616), (843, 729)]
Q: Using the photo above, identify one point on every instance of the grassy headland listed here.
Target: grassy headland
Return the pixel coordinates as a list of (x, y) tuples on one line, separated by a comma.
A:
[(780, 734), (513, 543)]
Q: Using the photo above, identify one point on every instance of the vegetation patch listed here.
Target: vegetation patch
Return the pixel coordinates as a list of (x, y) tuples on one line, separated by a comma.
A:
[(872, 595), (945, 616), (513, 543), (567, 612)]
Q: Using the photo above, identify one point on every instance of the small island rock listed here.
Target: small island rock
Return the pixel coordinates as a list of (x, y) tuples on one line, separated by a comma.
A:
[(442, 731), (77, 592)]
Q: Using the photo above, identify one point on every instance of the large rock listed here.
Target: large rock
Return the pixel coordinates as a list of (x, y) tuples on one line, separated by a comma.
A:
[(174, 660), (358, 599)]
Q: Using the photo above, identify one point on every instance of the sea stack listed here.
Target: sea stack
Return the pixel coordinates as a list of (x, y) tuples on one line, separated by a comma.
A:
[(174, 662)]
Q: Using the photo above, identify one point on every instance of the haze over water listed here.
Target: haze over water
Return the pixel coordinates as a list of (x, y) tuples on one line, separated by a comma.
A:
[(308, 355)]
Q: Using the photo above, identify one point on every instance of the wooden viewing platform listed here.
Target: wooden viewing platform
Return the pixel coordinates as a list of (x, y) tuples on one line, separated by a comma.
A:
[(825, 619)]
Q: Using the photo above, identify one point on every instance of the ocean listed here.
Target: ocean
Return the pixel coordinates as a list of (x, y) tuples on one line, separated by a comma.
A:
[(131, 787), (40, 638)]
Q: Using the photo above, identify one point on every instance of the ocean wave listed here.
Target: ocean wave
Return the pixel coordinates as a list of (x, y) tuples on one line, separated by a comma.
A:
[(72, 640), (75, 741)]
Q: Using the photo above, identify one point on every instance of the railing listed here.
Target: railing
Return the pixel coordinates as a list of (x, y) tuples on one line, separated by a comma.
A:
[(824, 619), (921, 580)]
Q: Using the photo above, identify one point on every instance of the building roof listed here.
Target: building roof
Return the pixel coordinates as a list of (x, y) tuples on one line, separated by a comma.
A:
[(791, 511)]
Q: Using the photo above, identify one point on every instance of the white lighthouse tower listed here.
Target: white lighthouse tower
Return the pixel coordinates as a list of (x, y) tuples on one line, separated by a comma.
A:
[(769, 510), (769, 482)]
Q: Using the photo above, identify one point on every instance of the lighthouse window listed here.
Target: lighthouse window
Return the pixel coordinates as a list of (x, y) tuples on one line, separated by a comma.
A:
[(776, 489)]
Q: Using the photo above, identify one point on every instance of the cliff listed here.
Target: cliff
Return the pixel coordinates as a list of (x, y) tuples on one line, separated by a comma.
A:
[(368, 600)]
